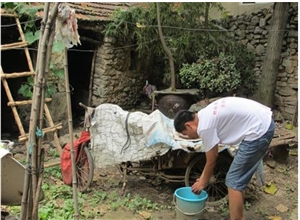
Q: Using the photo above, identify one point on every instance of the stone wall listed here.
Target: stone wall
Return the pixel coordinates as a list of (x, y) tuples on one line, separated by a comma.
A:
[(113, 81), (252, 31)]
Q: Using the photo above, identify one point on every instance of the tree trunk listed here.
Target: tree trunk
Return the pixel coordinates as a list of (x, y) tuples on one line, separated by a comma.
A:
[(207, 5), (166, 49), (266, 91)]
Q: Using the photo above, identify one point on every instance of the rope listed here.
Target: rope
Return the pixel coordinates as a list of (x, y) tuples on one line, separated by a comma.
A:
[(128, 142), (39, 133)]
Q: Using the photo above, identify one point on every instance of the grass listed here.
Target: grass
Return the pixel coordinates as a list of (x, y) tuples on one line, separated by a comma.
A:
[(59, 203)]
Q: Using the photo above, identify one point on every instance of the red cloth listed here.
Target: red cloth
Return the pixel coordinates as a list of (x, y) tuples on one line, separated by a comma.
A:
[(66, 162)]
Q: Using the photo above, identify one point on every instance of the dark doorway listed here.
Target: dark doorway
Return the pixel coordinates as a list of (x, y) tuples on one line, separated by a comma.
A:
[(80, 60)]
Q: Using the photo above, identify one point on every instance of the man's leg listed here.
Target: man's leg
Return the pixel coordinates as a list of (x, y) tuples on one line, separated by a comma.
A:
[(236, 204)]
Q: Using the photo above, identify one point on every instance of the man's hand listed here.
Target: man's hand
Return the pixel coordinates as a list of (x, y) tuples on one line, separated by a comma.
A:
[(211, 157), (197, 187)]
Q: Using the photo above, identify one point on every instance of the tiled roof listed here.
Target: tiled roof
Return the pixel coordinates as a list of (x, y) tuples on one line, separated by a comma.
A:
[(96, 11), (90, 11)]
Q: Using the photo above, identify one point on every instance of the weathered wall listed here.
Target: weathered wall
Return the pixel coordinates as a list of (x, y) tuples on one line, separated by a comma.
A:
[(114, 81), (252, 31), (237, 8)]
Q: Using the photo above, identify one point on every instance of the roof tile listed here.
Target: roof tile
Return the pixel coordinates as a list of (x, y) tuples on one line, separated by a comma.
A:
[(89, 11)]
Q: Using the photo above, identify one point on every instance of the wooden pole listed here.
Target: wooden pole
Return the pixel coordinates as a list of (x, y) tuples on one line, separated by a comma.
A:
[(27, 178), (39, 185), (70, 123), (37, 99)]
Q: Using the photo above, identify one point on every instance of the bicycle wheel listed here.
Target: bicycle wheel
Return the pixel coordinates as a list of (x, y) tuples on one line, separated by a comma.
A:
[(84, 168), (216, 188)]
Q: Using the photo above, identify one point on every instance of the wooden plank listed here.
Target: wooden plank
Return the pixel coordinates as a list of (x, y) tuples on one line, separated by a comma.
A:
[(16, 75), (276, 143)]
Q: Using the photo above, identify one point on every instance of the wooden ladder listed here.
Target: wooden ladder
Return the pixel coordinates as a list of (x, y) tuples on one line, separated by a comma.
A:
[(11, 102)]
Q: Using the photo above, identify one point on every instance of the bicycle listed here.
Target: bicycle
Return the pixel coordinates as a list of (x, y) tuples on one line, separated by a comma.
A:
[(84, 162)]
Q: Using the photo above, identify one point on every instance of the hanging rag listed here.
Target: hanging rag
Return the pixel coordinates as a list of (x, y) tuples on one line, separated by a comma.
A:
[(66, 26)]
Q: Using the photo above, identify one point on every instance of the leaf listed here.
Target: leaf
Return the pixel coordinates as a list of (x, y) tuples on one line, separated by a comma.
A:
[(25, 90), (31, 37), (58, 47), (270, 188), (59, 73), (282, 208), (30, 81), (51, 89)]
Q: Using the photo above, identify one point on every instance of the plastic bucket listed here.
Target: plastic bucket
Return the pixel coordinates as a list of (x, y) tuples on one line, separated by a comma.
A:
[(189, 206)]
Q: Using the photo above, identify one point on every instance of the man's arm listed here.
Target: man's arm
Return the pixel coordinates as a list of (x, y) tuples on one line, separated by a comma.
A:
[(211, 158)]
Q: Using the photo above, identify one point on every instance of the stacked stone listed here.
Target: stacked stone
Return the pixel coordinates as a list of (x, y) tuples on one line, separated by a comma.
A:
[(252, 31), (113, 81)]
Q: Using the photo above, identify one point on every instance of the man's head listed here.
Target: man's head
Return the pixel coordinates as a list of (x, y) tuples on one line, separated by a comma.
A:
[(186, 123)]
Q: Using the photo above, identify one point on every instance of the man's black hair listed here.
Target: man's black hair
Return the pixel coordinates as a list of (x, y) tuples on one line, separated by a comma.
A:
[(181, 118)]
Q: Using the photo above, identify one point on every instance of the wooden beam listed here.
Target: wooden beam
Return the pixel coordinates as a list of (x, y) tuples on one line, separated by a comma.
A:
[(45, 130), (9, 15), (13, 45), (16, 75), (17, 103)]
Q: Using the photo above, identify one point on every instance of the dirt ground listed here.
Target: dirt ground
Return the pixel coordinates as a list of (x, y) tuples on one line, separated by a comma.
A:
[(259, 204), (281, 172)]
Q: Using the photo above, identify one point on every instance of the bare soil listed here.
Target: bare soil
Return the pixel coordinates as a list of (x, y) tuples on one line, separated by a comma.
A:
[(283, 173)]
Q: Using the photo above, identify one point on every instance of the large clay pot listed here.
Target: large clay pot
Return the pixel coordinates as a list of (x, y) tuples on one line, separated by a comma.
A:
[(169, 105)]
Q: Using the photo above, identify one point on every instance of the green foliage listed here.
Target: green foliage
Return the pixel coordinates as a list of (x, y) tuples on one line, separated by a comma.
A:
[(189, 40), (181, 26), (219, 74), (223, 208), (58, 47), (31, 37), (26, 89), (59, 202), (25, 9), (53, 171)]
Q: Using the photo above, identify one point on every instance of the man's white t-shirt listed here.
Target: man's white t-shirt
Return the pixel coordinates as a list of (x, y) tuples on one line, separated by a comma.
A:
[(231, 120)]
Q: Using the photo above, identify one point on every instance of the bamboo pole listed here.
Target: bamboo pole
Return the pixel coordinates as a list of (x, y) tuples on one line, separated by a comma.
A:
[(40, 180), (13, 108), (92, 79), (35, 112), (13, 45), (9, 15), (45, 130), (50, 121), (26, 48), (16, 75), (47, 112), (70, 123), (41, 116), (18, 103)]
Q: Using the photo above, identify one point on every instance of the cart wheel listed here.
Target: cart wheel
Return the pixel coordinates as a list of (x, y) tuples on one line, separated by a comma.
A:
[(216, 188), (84, 168)]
